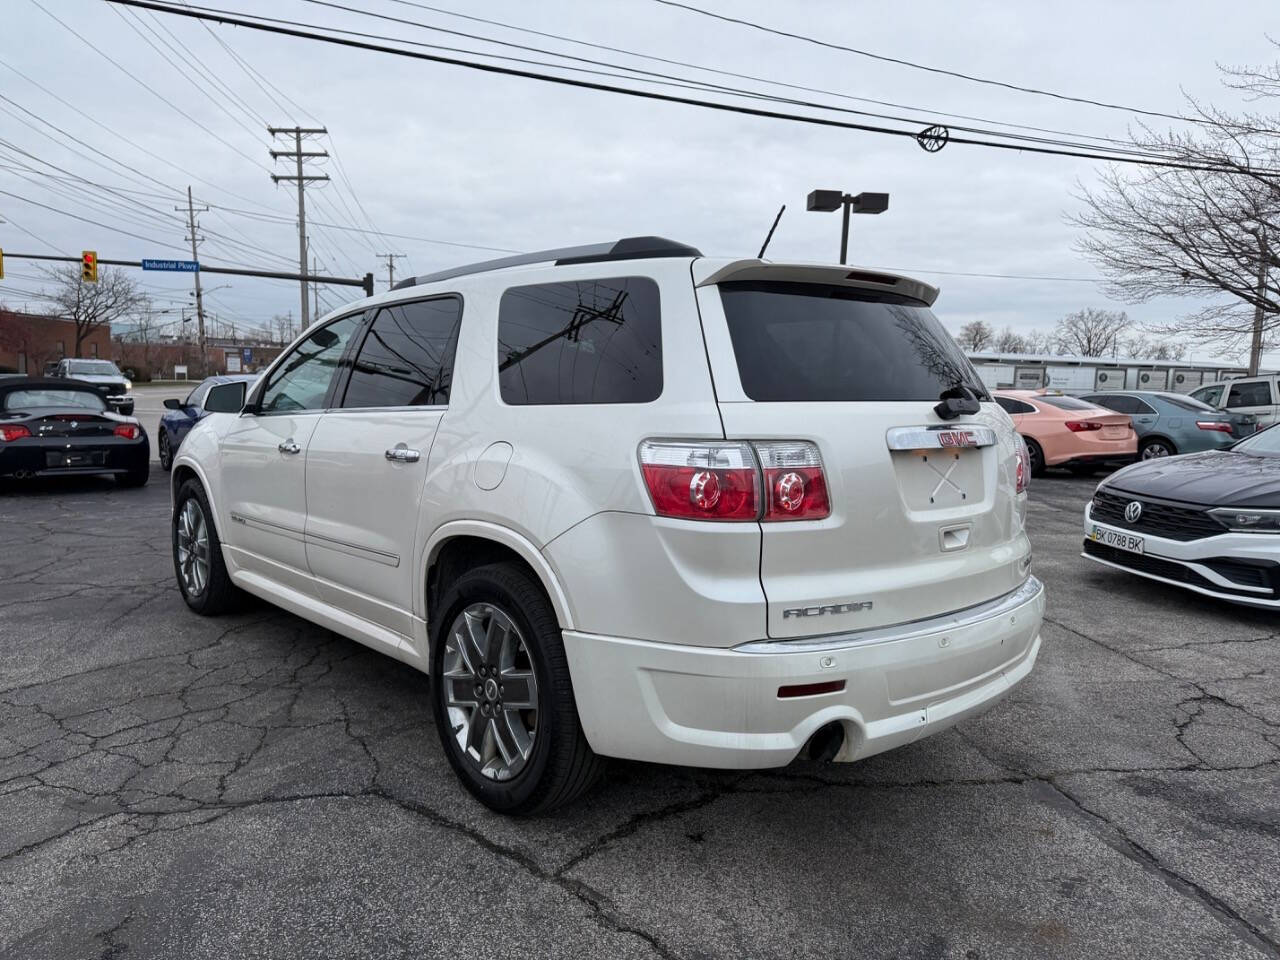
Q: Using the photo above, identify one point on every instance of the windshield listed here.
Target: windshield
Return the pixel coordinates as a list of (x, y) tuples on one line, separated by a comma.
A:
[(24, 399), (1187, 403), (1265, 443), (1068, 403), (820, 342), (97, 368)]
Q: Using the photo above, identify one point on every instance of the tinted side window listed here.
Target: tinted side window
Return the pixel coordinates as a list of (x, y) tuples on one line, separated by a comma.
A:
[(302, 380), (586, 341), (1117, 402), (1209, 395), (407, 357), (1014, 406), (1255, 393)]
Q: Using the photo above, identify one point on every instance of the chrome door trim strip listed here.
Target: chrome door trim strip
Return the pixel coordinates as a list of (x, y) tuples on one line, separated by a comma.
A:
[(354, 549)]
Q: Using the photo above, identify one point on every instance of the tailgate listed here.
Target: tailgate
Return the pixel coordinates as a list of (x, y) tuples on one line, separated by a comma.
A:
[(925, 518)]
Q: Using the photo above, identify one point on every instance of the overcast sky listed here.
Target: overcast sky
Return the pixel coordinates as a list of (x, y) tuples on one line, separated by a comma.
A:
[(444, 153)]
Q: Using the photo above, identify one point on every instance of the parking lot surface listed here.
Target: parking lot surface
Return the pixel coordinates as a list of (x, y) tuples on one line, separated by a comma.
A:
[(252, 785)]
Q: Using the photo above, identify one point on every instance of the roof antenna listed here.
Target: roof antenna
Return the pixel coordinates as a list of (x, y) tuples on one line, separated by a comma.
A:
[(760, 255)]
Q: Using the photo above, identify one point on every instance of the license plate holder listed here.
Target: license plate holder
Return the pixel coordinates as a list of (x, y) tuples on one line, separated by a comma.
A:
[(1119, 539)]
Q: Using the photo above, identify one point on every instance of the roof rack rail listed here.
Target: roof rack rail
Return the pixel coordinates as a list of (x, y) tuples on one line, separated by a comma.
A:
[(628, 248)]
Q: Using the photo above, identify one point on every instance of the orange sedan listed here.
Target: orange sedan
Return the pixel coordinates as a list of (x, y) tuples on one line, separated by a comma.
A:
[(1064, 431)]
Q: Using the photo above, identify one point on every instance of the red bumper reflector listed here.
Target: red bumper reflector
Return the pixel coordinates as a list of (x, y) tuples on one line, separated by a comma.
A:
[(810, 689)]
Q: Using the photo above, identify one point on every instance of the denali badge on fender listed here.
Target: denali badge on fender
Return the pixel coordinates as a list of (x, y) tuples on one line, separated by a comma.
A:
[(823, 611)]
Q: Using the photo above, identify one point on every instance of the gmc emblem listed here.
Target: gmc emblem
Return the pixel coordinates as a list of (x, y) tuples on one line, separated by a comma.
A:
[(834, 608), (956, 438)]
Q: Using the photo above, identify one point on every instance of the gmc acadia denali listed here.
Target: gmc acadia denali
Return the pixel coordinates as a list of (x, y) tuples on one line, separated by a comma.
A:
[(628, 501)]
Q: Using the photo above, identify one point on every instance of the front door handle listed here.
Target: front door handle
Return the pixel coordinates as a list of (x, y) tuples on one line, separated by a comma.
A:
[(402, 454), (289, 447)]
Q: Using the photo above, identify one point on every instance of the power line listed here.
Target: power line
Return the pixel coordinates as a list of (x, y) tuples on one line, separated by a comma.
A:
[(665, 79), (231, 18), (743, 76), (921, 66)]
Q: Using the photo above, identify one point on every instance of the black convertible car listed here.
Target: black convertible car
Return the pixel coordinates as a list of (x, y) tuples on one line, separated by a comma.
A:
[(63, 427)]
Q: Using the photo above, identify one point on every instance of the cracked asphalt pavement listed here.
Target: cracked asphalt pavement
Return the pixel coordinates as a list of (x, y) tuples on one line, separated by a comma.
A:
[(253, 785)]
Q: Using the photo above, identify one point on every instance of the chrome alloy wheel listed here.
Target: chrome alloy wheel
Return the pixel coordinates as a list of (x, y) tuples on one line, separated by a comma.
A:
[(490, 691), (1155, 449), (193, 548)]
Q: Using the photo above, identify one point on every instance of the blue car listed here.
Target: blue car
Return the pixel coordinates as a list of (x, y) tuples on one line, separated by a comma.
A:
[(181, 415), (1171, 423)]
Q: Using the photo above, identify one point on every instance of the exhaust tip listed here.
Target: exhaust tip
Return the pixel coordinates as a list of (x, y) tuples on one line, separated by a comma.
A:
[(825, 742)]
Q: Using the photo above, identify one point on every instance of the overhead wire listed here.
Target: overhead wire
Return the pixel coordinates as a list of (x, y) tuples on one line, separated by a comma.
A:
[(306, 31)]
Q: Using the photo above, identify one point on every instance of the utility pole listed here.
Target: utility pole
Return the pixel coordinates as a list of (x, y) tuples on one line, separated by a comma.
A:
[(315, 293), (391, 259), (1255, 350), (195, 240), (299, 155)]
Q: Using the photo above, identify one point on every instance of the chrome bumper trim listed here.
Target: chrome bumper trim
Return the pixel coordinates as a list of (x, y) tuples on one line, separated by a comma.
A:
[(1030, 590)]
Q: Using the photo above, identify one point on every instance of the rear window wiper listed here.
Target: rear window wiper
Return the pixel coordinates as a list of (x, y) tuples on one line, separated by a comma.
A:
[(958, 400)]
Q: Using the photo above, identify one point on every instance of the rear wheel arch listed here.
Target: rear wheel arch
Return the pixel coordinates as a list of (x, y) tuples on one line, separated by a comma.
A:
[(1151, 438), (462, 546)]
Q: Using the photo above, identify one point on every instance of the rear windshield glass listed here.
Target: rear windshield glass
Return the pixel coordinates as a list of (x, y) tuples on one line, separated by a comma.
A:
[(1187, 403), (815, 342), (1068, 403), (23, 399)]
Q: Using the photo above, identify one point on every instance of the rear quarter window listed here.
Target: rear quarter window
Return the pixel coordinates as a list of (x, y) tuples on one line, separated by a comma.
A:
[(819, 342), (581, 341)]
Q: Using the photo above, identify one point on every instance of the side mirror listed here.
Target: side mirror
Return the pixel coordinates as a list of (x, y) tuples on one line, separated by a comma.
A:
[(225, 398), (173, 403)]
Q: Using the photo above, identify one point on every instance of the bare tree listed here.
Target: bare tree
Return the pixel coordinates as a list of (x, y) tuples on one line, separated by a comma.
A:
[(1008, 341), (1209, 228), (1040, 341), (1143, 347), (975, 336), (1091, 332), (93, 305)]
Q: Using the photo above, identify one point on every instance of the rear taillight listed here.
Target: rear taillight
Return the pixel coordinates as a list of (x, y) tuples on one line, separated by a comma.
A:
[(796, 488), (13, 431), (771, 480), (1022, 472), (1081, 426), (1221, 426), (701, 481), (127, 430)]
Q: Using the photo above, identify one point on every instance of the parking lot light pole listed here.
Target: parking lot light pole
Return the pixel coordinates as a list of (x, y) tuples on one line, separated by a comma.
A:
[(826, 201)]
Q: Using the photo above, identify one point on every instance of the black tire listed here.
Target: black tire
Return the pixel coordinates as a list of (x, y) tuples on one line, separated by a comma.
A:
[(139, 472), (1036, 456), (166, 456), (218, 594), (561, 765), (1154, 447)]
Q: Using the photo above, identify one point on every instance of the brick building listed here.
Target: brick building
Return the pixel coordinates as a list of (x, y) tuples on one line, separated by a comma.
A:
[(29, 341)]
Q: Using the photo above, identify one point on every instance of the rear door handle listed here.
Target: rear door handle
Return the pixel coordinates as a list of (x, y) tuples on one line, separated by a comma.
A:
[(402, 454), (289, 447)]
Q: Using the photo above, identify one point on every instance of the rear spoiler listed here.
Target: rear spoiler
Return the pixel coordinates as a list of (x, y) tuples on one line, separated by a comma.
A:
[(822, 273)]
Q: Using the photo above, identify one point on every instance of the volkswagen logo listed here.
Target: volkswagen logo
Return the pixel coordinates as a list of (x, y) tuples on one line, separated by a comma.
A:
[(1133, 511)]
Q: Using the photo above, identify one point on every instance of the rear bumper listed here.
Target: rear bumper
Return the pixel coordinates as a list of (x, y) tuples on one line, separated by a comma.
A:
[(714, 707), (39, 457)]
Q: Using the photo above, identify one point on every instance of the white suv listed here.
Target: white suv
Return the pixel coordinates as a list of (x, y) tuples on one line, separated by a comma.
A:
[(628, 501)]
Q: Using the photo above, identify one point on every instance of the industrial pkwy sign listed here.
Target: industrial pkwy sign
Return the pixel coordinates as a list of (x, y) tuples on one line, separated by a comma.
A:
[(179, 266)]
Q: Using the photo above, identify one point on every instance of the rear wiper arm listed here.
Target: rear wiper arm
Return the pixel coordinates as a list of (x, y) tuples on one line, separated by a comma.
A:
[(957, 400)]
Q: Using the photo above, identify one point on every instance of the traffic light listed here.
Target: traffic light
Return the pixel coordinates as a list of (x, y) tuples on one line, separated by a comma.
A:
[(89, 266)]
